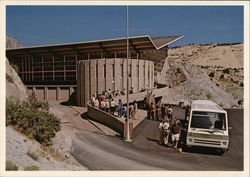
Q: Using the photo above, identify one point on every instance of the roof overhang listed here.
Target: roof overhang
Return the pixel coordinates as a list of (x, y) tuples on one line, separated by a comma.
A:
[(137, 44)]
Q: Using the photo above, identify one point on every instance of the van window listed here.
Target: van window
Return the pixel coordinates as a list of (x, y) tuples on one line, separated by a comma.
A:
[(208, 120)]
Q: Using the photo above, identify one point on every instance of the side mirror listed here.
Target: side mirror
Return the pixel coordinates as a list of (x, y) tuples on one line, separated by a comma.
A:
[(230, 128)]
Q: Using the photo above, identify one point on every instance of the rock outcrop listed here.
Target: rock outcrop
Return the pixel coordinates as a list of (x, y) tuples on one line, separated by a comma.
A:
[(14, 85), (213, 72)]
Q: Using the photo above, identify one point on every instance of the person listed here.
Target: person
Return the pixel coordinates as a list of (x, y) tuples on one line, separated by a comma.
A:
[(131, 91), (96, 104), (163, 111), (120, 108), (135, 109), (170, 112), (109, 94), (131, 108), (161, 139), (158, 112), (102, 106), (124, 111), (166, 127), (152, 111), (112, 107), (175, 131), (93, 100), (107, 106), (117, 93)]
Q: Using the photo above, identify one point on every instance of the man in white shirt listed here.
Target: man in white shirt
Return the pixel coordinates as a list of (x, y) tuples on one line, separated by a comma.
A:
[(166, 127), (112, 107)]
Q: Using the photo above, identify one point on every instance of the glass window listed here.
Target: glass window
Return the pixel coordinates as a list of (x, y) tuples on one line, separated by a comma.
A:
[(208, 120)]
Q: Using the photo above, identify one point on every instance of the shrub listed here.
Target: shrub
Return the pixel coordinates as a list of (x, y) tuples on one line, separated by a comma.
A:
[(211, 74), (226, 71), (10, 166), (32, 118), (209, 95), (32, 155), (242, 84), (31, 168), (15, 67), (222, 76), (9, 78)]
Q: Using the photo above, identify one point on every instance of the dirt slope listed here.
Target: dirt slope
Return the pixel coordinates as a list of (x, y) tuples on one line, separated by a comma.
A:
[(204, 72)]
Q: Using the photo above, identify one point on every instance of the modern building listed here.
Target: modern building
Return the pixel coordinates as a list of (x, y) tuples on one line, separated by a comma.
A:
[(57, 71)]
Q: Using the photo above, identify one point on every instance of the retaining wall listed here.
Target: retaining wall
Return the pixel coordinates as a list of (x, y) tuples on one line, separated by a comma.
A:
[(109, 120)]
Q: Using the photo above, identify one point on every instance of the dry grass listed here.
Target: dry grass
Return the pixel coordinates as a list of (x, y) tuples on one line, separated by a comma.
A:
[(56, 155), (33, 155)]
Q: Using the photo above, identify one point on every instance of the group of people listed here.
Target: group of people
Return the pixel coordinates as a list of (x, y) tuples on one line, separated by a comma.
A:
[(122, 110), (106, 103), (159, 112), (170, 127)]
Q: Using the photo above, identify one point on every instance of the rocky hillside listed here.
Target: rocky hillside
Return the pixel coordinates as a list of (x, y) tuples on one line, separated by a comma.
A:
[(205, 72), (14, 86), (12, 43), (23, 152)]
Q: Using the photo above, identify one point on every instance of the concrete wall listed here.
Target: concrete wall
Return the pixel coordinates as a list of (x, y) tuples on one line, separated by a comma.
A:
[(106, 119), (52, 92), (93, 78)]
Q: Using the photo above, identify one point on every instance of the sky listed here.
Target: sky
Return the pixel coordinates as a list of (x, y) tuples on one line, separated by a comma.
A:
[(42, 25)]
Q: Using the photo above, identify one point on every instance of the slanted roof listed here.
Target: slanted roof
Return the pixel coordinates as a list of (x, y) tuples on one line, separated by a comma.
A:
[(137, 44), (161, 42), (206, 105)]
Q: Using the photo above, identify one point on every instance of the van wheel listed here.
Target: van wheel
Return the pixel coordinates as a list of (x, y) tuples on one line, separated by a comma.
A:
[(222, 151)]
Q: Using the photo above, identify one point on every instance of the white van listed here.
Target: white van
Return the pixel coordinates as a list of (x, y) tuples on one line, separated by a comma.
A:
[(207, 125)]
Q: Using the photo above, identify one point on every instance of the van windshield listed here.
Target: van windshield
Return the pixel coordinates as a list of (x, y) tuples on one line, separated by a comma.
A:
[(208, 120)]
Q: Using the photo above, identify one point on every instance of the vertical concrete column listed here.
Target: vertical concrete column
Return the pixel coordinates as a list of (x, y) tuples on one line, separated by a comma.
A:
[(45, 93), (82, 82), (78, 83), (58, 93), (93, 78), (86, 83), (64, 67), (101, 79), (146, 74), (125, 70), (134, 77)]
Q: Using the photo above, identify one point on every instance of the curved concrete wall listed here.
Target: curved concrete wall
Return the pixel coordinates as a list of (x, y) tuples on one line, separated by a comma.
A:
[(109, 120), (98, 75)]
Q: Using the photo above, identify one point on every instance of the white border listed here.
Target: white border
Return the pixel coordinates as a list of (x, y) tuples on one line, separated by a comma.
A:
[(128, 173)]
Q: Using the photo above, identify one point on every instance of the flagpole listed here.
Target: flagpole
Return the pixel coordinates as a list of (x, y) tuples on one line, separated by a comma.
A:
[(127, 138)]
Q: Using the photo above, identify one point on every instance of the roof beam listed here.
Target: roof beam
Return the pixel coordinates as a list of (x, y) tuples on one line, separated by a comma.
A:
[(77, 51), (104, 50), (133, 47)]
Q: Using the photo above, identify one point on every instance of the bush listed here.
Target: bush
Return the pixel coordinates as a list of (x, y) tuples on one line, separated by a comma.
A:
[(15, 67), (209, 95), (11, 166), (226, 71), (211, 74), (32, 155), (32, 118), (222, 76), (242, 84), (9, 78), (31, 168)]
